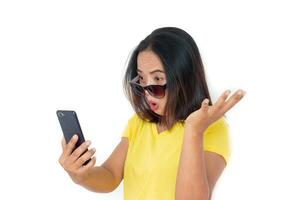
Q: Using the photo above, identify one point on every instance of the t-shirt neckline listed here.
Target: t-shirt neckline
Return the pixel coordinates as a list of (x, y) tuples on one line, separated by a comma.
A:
[(154, 128)]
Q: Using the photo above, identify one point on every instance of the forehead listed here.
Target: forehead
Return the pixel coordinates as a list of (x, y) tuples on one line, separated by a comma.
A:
[(148, 61)]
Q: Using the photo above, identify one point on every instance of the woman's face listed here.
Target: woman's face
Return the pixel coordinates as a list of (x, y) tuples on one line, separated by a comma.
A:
[(151, 72)]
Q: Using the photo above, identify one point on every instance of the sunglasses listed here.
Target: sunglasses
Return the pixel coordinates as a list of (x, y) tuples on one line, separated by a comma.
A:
[(157, 91)]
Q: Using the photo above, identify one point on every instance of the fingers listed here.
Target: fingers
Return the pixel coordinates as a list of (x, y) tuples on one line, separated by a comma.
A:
[(71, 145), (220, 102), (72, 160), (234, 99), (67, 149), (89, 165), (83, 158), (204, 106), (63, 144), (79, 151)]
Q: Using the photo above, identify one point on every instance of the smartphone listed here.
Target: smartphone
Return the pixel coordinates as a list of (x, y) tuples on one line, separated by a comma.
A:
[(70, 126)]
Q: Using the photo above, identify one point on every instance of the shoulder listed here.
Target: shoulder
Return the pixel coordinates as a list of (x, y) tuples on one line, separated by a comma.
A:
[(133, 125), (134, 119), (135, 122), (219, 125)]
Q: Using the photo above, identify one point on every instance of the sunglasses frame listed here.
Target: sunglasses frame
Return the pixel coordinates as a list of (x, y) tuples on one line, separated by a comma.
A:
[(147, 88)]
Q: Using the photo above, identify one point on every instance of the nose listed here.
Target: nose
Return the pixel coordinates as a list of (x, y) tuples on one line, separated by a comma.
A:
[(147, 93), (149, 83)]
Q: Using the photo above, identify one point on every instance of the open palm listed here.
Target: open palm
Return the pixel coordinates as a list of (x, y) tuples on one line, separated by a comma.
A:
[(200, 119)]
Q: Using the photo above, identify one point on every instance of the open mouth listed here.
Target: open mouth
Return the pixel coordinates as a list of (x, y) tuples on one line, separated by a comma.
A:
[(153, 106)]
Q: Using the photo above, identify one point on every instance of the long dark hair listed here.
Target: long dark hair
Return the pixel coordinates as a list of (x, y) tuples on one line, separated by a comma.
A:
[(186, 82)]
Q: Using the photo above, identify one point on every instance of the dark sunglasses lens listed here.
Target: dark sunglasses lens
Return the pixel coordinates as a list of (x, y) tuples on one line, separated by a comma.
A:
[(137, 89), (156, 90)]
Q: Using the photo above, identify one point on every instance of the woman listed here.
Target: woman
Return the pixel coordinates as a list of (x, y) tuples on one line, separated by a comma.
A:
[(176, 145)]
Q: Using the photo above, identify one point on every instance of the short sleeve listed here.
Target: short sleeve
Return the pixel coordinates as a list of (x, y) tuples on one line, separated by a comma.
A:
[(216, 139), (131, 127)]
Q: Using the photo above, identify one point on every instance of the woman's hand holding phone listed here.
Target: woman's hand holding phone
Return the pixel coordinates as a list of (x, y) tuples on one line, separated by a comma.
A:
[(73, 161)]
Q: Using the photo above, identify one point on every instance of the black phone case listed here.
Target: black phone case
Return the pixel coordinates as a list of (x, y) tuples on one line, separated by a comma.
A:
[(70, 126)]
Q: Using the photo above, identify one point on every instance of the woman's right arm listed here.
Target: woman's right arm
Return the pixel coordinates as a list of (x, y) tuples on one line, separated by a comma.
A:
[(104, 178)]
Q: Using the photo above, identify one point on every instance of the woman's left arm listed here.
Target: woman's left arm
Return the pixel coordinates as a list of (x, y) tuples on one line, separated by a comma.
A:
[(199, 170)]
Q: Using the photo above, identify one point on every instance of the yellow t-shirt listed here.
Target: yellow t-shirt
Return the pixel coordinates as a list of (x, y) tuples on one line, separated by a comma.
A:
[(152, 159)]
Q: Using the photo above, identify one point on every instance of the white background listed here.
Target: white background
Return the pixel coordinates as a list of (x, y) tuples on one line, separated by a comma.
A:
[(72, 55)]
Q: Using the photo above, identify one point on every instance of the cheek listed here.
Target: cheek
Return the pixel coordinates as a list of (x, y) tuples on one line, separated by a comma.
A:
[(165, 97), (164, 101)]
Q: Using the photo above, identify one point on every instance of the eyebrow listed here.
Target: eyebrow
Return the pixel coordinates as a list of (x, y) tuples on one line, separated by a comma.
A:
[(157, 70)]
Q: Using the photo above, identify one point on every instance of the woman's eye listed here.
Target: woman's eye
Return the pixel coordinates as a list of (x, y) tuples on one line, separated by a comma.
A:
[(157, 78)]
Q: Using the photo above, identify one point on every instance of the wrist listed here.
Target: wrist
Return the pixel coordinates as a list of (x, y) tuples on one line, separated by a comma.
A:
[(82, 178), (196, 129), (194, 132)]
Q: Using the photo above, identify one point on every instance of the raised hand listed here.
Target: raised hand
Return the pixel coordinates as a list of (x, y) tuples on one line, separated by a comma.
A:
[(200, 119)]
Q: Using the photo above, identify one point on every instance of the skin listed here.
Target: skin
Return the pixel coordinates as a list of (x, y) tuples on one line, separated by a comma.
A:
[(151, 72), (197, 166), (208, 166)]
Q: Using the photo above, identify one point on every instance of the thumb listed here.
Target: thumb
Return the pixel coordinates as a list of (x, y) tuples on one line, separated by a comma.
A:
[(204, 105)]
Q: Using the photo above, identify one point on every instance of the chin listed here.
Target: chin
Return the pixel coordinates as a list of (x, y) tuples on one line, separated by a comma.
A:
[(159, 113), (156, 112)]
